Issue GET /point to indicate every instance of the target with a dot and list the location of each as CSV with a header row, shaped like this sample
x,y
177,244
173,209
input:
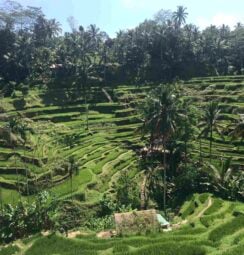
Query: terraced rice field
x,y
110,143
102,150
205,225
229,92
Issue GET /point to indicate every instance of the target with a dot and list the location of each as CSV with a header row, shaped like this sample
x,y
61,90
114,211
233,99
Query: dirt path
x,y
73,234
23,247
107,95
200,214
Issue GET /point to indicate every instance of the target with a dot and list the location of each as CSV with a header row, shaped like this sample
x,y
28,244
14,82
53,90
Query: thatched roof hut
x,y
136,221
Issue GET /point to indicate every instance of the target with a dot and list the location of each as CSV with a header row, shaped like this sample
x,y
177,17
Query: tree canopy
x,y
163,48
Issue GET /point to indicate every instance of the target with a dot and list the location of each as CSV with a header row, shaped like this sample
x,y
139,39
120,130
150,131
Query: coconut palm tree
x,y
151,183
12,127
73,168
180,15
159,117
210,124
221,174
20,129
53,28
238,131
223,179
238,25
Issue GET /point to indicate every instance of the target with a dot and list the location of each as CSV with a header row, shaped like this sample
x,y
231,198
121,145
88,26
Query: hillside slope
x,y
215,228
101,150
107,147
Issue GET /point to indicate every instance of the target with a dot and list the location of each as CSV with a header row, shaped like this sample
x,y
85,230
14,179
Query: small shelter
x,y
139,221
161,220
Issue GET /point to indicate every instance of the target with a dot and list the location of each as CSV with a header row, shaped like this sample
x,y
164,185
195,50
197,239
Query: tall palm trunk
x,y
87,113
87,117
200,149
26,177
185,154
1,198
27,185
211,143
143,193
185,145
71,182
71,186
17,173
165,176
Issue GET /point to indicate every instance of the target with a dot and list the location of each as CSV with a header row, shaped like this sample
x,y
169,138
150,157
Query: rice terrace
x,y
126,142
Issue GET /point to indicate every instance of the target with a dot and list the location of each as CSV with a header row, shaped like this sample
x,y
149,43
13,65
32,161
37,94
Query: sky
x,y
114,15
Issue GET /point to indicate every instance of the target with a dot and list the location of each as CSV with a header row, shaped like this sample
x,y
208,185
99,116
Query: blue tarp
x,y
162,220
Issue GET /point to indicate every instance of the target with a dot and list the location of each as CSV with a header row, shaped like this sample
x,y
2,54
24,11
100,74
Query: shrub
x,y
189,209
72,214
203,197
26,218
127,192
99,224
19,104
81,196
10,250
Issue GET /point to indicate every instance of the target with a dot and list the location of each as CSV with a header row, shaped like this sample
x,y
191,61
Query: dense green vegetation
x,y
90,126
163,48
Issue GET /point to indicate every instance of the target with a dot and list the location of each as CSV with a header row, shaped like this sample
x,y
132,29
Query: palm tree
x,y
222,174
223,180
13,126
210,124
94,33
150,183
238,25
159,116
180,15
53,28
19,129
238,131
73,168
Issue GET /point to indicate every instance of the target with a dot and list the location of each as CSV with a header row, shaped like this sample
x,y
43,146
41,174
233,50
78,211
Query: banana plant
x,y
224,180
